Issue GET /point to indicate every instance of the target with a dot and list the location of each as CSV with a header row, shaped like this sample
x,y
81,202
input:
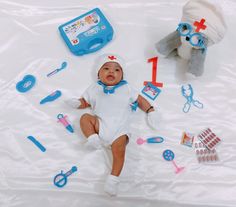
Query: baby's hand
x,y
73,102
154,119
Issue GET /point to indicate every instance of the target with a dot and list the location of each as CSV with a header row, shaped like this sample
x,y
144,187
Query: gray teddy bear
x,y
202,25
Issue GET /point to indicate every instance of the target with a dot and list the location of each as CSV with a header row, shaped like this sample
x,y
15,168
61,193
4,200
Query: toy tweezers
x,y
187,92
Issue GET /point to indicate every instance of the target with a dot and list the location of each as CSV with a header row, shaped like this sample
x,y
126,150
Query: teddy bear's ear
x,y
169,43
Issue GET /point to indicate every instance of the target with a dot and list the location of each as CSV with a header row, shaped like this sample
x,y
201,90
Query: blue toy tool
x,y
62,119
187,92
111,89
63,66
53,96
87,33
61,179
37,143
150,140
169,155
26,83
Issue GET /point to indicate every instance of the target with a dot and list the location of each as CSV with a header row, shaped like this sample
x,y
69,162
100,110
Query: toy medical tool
x,y
63,66
209,139
37,143
87,33
111,89
169,155
61,179
187,92
52,97
150,140
62,119
26,83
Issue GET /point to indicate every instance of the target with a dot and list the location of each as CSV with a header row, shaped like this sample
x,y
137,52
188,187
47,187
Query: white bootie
x,y
93,142
111,185
73,102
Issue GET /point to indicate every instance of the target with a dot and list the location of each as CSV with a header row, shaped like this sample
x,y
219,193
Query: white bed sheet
x,y
30,44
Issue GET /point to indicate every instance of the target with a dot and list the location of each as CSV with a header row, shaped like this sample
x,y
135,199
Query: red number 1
x,y
154,72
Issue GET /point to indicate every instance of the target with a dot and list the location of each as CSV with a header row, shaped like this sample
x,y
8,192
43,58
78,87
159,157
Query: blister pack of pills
x,y
205,155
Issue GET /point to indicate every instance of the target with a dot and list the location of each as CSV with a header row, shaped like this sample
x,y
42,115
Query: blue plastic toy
x,y
37,143
187,92
61,179
63,66
53,96
87,33
62,119
111,89
195,39
26,83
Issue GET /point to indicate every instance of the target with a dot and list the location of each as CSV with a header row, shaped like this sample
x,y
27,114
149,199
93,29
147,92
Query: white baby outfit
x,y
113,110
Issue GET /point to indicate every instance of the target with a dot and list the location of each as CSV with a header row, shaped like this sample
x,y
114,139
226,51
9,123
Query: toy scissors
x,y
61,179
187,92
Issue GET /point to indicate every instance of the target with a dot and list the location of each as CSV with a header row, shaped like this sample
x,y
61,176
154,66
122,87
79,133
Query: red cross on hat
x,y
112,57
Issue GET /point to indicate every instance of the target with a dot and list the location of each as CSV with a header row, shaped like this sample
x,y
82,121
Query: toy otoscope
x,y
150,140
62,119
61,179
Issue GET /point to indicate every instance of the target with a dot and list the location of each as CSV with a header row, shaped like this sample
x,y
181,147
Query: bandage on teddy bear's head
x,y
205,16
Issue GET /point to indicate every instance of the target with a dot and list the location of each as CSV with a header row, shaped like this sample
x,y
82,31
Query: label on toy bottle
x,y
82,25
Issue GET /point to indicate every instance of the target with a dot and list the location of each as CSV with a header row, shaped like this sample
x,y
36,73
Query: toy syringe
x,y
62,119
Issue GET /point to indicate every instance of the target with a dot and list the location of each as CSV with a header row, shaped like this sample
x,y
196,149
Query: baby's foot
x,y
93,142
111,185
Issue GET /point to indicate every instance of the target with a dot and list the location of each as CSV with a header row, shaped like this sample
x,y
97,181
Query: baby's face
x,y
110,73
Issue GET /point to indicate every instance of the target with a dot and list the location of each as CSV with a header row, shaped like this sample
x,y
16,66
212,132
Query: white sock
x,y
93,142
111,185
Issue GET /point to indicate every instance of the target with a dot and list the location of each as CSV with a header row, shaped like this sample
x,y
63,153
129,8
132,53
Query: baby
x,y
110,99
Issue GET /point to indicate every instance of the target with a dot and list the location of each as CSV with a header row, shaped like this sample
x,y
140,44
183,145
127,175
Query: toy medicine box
x,y
87,33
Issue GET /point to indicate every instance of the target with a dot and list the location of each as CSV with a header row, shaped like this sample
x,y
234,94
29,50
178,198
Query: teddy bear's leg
x,y
165,46
196,62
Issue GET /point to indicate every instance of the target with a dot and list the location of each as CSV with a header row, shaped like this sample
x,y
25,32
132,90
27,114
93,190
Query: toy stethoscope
x,y
187,92
169,155
195,39
110,90
61,179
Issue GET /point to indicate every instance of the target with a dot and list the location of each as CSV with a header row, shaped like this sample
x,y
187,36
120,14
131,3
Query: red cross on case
x,y
199,25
